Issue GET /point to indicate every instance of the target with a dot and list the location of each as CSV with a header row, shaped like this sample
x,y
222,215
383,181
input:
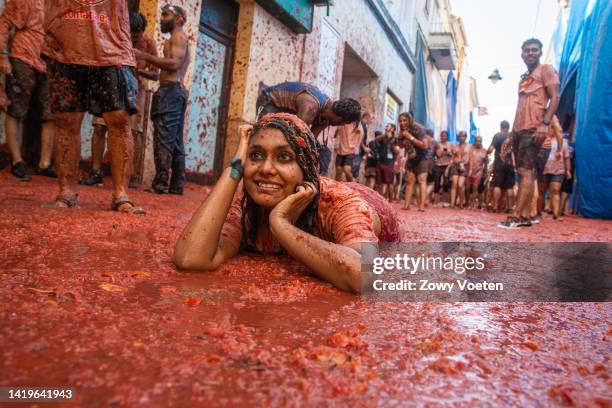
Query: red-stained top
x,y
27,17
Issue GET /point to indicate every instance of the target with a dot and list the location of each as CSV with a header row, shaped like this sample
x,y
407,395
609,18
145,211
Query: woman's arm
x,y
338,264
200,245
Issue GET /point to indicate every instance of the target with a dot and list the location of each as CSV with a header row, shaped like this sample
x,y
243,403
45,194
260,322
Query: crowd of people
x,y
274,196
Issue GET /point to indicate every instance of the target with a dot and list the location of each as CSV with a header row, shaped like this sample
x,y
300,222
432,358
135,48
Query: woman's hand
x,y
243,144
292,206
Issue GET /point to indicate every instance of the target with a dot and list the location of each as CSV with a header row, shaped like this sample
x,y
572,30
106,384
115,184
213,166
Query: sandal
x,y
115,206
62,202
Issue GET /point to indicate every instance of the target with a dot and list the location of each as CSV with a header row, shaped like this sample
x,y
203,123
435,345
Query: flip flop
x,y
62,202
132,210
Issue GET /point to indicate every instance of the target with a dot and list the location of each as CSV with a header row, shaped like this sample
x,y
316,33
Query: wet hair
x,y
348,109
532,41
177,11
304,145
138,22
444,132
504,124
392,125
378,133
429,132
462,133
414,127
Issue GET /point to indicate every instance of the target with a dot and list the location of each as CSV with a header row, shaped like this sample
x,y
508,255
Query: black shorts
x,y
541,160
525,149
97,90
456,171
503,177
418,166
27,83
567,186
345,160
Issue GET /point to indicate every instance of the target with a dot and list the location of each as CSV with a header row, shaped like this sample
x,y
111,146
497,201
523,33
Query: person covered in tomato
x,y
286,206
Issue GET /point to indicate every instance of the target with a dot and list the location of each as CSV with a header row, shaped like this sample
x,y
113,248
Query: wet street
x,y
90,299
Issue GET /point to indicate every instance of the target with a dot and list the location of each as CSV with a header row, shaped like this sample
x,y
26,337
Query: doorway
x,y
209,95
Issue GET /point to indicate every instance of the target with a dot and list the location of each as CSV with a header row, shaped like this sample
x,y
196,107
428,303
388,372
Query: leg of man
x,y
162,151
525,192
67,153
13,128
98,145
454,182
356,166
348,172
121,147
177,181
555,198
461,190
46,144
138,154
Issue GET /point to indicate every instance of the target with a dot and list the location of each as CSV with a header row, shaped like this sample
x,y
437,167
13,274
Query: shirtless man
x,y
169,102
476,170
92,69
308,103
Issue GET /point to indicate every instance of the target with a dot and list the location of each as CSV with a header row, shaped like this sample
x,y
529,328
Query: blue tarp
x,y
451,106
420,96
593,104
473,129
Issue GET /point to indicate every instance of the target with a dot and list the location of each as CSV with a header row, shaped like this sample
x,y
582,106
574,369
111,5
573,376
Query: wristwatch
x,y
546,121
237,169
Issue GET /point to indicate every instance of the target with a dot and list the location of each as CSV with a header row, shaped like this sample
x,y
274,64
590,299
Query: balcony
x,y
442,46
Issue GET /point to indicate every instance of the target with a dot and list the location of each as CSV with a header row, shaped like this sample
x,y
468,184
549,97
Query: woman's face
x,y
462,138
404,122
443,137
271,171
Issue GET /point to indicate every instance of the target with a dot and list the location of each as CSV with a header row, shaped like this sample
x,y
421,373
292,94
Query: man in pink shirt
x,y
92,69
349,138
25,79
538,102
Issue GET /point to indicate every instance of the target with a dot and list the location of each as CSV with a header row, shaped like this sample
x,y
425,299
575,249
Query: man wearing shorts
x,y
349,138
444,156
503,172
477,163
25,80
92,69
538,101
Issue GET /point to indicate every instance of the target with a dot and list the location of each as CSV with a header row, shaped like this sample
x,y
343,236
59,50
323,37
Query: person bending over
x,y
285,206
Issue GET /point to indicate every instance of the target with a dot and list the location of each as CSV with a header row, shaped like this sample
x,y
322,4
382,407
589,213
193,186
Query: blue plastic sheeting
x,y
451,106
473,129
420,96
593,135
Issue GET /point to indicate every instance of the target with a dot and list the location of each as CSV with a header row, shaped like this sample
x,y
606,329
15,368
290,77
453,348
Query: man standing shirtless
x,y
169,102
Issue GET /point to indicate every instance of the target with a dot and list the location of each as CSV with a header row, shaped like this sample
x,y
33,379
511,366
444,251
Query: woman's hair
x,y
414,127
304,145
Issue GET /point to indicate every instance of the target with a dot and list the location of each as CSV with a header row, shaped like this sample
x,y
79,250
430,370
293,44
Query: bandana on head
x,y
303,143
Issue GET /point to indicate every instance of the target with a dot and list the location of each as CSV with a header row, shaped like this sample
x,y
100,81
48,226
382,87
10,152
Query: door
x,y
209,94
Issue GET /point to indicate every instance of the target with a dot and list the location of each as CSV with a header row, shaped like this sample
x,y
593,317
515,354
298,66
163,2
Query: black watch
x,y
546,121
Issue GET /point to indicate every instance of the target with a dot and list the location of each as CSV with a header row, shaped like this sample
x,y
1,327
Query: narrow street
x,y
91,298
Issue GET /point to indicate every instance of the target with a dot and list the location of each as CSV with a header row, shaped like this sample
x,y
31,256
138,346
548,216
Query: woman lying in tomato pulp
x,y
285,206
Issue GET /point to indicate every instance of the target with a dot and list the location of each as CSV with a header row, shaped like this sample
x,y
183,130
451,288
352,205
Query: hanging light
x,y
494,77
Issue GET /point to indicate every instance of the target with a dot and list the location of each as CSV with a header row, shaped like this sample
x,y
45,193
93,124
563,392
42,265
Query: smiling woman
x,y
285,206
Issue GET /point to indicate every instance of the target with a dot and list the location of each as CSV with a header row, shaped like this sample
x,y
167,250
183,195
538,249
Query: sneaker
x,y
535,219
526,222
510,223
93,178
20,170
47,172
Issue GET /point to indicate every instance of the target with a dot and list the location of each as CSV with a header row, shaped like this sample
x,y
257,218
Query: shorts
x,y
384,173
397,180
97,90
345,160
541,160
525,149
430,175
356,167
370,172
567,186
553,178
438,174
418,166
472,181
503,177
27,83
455,171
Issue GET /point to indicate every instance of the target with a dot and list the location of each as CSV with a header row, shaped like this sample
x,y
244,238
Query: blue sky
x,y
495,30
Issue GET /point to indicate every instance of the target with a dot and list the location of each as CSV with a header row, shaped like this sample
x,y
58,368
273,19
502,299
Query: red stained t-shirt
x,y
533,97
89,32
344,216
27,16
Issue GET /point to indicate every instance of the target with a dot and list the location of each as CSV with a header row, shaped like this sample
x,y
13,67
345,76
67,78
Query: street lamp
x,y
494,77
